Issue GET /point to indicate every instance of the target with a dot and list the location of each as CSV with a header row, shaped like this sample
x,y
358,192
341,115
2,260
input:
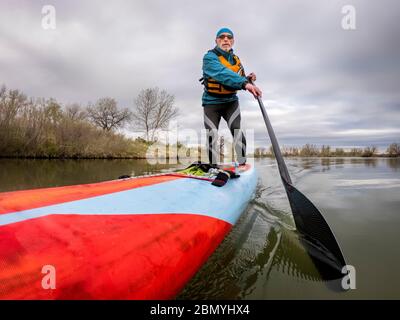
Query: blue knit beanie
x,y
224,30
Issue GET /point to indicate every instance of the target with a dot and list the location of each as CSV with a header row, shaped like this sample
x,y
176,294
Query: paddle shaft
x,y
275,145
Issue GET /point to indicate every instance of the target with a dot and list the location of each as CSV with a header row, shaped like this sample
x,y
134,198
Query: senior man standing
x,y
223,76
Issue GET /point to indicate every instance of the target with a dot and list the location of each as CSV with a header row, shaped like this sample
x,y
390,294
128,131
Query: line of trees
x,y
311,150
42,127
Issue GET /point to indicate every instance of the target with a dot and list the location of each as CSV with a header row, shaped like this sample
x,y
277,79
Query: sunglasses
x,y
222,36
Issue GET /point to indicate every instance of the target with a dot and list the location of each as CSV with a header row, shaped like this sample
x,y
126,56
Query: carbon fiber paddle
x,y
315,233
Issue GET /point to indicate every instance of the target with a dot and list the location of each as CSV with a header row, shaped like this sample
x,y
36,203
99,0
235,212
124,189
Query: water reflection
x,y
394,163
292,258
308,163
368,162
326,163
339,161
371,162
19,174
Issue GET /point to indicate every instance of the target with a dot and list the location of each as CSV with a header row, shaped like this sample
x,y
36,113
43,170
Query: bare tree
x,y
154,109
106,115
75,112
393,150
11,103
369,151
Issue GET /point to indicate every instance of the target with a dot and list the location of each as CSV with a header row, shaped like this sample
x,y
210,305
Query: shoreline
x,y
383,156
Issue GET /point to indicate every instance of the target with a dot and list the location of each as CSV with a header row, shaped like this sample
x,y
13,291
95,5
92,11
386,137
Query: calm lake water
x,y
262,258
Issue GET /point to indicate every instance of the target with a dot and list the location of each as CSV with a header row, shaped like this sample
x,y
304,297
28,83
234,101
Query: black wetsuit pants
x,y
231,113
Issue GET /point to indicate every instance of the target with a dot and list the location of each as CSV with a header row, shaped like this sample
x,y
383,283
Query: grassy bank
x,y
43,128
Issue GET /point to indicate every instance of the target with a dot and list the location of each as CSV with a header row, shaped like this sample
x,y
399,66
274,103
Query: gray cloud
x,y
321,84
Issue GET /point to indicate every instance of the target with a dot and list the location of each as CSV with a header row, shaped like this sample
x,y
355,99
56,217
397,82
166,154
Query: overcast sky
x,y
321,83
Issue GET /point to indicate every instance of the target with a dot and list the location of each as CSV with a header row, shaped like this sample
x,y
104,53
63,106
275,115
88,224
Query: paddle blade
x,y
316,235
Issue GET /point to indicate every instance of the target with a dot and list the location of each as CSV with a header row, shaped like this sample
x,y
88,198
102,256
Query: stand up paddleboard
x,y
134,238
